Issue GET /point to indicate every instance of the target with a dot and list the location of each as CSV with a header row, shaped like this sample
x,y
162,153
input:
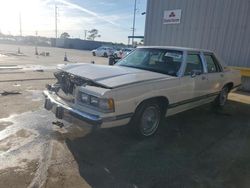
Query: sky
x,y
113,18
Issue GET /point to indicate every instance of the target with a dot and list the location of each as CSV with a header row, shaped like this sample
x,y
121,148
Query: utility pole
x,y
133,28
20,23
85,34
36,51
56,21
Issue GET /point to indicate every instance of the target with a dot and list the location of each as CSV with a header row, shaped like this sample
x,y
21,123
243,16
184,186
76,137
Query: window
x,y
157,60
212,65
193,64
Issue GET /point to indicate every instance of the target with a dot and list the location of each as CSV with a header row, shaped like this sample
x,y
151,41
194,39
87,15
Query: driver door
x,y
193,84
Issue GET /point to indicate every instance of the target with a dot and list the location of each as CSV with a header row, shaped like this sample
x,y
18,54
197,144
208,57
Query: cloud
x,y
75,6
106,3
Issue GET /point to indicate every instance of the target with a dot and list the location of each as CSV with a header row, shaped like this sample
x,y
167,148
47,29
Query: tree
x,y
64,35
93,33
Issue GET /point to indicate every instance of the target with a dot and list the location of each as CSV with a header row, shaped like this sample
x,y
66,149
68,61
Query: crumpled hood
x,y
112,76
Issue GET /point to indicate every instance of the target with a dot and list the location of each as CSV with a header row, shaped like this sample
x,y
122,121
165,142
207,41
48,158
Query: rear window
x,y
193,64
212,64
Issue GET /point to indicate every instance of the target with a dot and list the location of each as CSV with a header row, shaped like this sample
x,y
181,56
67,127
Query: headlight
x,y
84,98
94,101
107,105
101,104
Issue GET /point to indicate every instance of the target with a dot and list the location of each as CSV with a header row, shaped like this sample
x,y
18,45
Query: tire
x,y
146,119
93,53
105,54
221,99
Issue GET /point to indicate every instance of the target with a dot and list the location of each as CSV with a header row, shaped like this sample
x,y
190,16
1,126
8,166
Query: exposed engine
x,y
67,82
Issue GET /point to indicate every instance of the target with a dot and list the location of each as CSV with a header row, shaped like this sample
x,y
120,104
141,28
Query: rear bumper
x,y
69,114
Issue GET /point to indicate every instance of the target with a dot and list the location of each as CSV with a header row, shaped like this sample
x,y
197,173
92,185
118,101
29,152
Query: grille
x,y
66,97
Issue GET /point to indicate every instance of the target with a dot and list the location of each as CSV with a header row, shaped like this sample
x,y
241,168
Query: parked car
x,y
141,89
103,51
123,52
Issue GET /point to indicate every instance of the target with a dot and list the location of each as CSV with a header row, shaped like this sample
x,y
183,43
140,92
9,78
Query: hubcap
x,y
150,120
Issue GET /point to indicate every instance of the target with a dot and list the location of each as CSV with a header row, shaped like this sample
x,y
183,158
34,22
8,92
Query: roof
x,y
177,48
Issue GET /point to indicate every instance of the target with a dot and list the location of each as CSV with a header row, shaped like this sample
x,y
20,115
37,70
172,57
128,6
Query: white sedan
x,y
123,52
103,51
141,89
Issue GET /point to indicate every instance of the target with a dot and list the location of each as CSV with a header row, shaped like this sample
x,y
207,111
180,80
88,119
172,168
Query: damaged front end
x,y
68,82
73,98
62,96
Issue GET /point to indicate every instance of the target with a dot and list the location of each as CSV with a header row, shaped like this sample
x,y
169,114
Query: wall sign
x,y
172,16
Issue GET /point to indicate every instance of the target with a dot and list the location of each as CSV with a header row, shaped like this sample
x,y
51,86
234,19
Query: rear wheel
x,y
221,100
93,53
105,54
147,118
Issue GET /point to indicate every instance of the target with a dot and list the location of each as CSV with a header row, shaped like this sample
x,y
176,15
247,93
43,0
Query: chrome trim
x,y
78,114
119,117
196,99
84,116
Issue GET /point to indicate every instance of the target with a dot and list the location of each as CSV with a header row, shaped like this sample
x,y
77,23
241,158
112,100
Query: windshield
x,y
157,60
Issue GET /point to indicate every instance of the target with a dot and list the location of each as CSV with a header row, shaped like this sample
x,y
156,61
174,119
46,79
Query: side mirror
x,y
194,73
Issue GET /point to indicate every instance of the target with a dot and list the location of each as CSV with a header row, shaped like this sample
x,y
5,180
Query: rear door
x,y
215,74
194,74
193,84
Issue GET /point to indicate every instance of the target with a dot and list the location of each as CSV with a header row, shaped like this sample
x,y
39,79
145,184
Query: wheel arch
x,y
229,85
161,100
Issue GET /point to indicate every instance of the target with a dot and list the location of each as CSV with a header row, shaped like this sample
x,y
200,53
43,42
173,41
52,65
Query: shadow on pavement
x,y
197,148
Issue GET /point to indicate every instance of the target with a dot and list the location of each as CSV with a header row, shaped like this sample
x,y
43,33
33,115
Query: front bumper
x,y
68,113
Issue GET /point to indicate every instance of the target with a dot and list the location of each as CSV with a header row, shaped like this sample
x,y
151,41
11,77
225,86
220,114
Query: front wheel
x,y
93,53
221,99
146,120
